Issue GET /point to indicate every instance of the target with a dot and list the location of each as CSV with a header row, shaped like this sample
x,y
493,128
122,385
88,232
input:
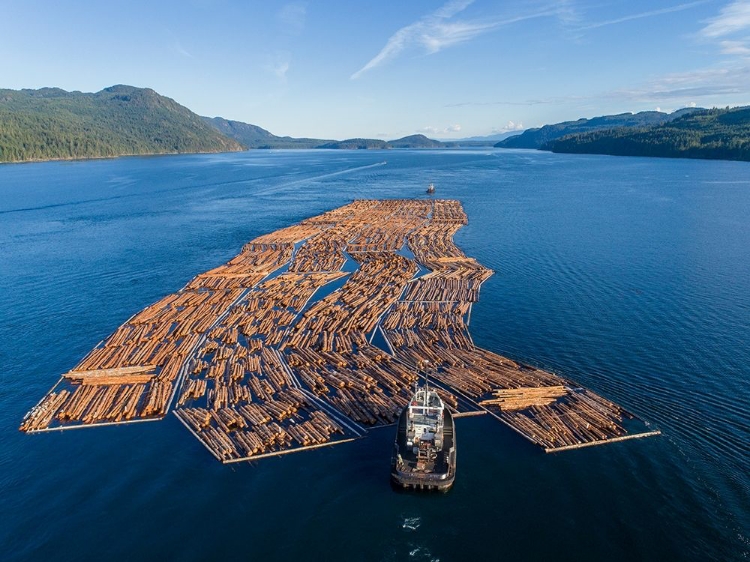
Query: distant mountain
x,y
490,138
351,144
253,136
536,138
709,133
50,123
412,141
415,141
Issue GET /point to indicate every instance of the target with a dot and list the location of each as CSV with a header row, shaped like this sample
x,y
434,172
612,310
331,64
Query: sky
x,y
387,69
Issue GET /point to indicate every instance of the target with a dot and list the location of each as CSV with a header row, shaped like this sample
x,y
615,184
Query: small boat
x,y
424,454
431,189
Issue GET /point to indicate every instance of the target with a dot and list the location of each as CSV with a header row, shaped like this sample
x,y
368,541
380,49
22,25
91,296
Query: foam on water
x,y
411,523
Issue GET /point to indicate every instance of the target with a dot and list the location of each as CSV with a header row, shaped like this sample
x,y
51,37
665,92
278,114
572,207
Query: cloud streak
x,y
641,15
677,88
732,18
528,102
701,83
439,30
414,33
735,48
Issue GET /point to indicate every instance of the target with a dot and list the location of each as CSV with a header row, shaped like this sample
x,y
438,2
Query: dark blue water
x,y
629,275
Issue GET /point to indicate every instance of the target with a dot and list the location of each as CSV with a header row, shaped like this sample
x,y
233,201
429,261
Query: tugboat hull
x,y
408,472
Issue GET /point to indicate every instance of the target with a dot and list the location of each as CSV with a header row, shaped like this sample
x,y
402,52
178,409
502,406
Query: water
x,y
629,275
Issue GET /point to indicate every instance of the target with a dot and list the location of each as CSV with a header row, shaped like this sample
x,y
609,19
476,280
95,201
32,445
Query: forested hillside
x,y
50,124
537,138
711,133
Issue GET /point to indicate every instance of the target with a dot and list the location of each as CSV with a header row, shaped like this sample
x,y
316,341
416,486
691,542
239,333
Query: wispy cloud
x,y
175,45
732,18
440,131
293,16
700,83
528,102
439,30
413,33
641,15
739,48
278,65
280,69
674,89
729,31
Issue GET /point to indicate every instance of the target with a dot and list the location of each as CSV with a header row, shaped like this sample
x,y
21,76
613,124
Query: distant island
x,y
253,136
52,124
356,144
412,141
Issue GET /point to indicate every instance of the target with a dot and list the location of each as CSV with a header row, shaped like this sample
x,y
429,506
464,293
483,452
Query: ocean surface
x,y
628,275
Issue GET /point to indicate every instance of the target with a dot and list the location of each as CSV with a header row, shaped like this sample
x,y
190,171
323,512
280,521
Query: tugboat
x,y
424,454
431,189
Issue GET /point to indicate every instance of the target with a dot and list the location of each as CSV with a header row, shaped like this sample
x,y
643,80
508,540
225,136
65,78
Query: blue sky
x,y
388,69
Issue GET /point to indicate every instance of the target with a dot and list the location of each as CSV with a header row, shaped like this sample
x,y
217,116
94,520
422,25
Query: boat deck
x,y
412,473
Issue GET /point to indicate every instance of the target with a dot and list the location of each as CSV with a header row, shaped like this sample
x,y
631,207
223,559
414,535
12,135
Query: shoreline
x,y
113,157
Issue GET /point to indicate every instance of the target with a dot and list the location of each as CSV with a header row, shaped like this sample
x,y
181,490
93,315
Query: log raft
x,y
259,364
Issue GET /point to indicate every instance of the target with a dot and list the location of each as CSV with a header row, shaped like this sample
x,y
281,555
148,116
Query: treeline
x,y
537,138
710,133
50,124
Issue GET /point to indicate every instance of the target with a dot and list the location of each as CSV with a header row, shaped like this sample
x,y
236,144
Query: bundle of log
x,y
508,399
421,315
232,434
323,252
289,235
249,267
43,413
358,305
121,375
367,385
581,417
90,404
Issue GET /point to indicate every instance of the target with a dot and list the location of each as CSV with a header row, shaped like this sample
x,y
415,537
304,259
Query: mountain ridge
x,y
54,124
253,136
722,134
538,137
